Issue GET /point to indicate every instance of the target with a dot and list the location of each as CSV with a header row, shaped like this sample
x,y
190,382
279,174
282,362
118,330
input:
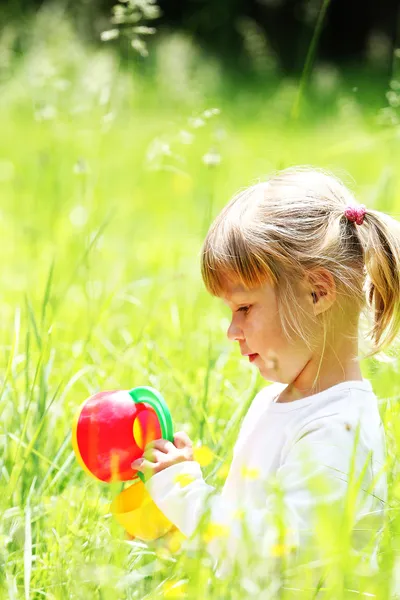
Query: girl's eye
x,y
244,309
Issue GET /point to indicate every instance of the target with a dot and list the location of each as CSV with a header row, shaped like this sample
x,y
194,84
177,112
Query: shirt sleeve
x,y
313,480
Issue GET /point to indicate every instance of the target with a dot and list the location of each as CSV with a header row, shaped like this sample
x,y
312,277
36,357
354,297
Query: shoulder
x,y
348,413
265,397
261,401
268,393
259,405
327,428
336,439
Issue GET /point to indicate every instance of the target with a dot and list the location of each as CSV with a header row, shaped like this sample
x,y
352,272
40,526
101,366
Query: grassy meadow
x,y
109,178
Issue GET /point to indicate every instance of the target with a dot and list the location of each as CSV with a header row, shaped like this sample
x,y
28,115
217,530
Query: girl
x,y
297,261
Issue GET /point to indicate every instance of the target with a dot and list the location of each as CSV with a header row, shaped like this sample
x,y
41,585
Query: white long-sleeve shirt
x,y
304,449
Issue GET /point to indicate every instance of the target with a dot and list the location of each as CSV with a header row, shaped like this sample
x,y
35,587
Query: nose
x,y
234,332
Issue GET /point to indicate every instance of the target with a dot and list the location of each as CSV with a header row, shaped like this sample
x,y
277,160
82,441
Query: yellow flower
x,y
184,479
175,540
250,473
215,530
170,543
203,456
174,589
278,549
282,549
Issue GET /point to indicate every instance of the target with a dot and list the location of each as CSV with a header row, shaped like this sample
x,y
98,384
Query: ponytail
x,y
382,259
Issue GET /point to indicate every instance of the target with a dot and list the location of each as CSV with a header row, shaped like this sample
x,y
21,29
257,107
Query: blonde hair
x,y
282,229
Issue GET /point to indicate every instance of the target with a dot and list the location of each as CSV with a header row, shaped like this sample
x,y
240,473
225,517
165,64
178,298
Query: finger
x,y
188,453
153,455
182,440
144,466
161,445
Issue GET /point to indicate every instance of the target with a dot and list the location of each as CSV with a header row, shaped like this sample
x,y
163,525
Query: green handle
x,y
149,395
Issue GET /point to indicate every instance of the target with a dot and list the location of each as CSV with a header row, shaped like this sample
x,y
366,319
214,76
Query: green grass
x,y
101,227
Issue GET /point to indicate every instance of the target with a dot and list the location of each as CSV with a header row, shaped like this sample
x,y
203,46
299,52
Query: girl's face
x,y
255,325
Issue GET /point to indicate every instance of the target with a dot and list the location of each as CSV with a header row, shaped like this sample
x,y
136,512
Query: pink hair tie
x,y
355,214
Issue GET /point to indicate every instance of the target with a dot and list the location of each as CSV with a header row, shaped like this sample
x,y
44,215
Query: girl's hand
x,y
160,454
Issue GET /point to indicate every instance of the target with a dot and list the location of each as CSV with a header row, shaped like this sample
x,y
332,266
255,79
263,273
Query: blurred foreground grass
x,y
108,183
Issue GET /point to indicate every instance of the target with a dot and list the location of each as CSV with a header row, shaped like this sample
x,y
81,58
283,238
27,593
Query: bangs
x,y
228,257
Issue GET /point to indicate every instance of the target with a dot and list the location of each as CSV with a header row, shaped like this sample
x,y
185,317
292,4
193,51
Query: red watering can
x,y
110,431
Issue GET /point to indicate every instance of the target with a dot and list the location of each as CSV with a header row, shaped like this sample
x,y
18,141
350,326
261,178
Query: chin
x,y
268,376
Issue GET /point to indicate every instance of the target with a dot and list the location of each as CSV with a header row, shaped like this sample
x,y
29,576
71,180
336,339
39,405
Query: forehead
x,y
235,290
236,293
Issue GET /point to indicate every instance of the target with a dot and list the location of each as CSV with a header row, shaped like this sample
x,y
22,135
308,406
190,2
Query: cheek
x,y
266,328
267,337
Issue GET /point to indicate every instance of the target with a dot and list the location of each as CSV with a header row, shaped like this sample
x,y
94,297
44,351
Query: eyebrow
x,y
233,296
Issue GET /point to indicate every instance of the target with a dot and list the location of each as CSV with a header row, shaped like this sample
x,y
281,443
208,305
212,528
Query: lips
x,y
252,356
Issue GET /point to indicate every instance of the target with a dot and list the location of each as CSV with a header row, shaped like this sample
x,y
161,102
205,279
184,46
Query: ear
x,y
321,290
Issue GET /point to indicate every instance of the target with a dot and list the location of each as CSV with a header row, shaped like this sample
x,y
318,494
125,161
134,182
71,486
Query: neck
x,y
317,376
